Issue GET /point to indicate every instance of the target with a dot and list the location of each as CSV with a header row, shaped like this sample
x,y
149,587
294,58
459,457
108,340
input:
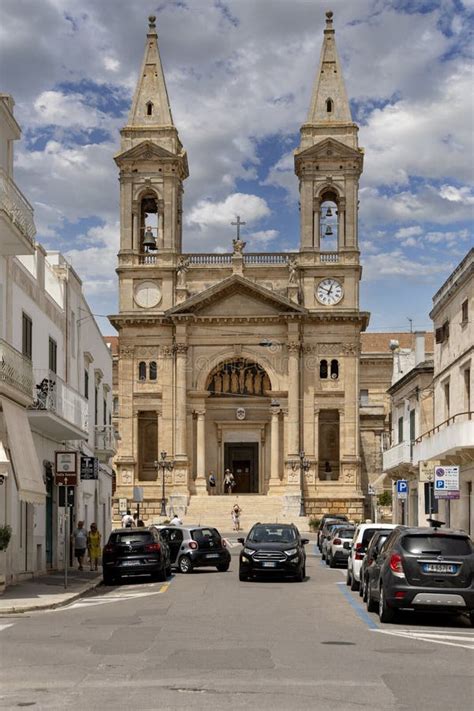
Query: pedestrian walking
x,y
212,483
236,511
176,521
127,520
229,481
79,538
94,547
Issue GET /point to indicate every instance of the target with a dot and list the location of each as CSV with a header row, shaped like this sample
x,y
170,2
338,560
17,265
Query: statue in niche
x,y
249,382
257,383
241,379
217,383
238,245
292,270
234,381
181,269
225,382
266,383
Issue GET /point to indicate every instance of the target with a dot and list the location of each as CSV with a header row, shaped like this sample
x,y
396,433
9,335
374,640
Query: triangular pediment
x,y
236,296
147,150
329,149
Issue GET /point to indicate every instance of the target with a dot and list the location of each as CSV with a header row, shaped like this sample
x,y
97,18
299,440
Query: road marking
x,y
364,616
428,637
124,594
4,627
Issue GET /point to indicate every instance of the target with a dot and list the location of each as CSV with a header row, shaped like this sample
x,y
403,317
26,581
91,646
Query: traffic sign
x,y
446,482
65,462
402,489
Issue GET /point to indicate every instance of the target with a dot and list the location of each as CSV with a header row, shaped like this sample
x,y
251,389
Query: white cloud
x,y
413,231
396,264
453,194
208,214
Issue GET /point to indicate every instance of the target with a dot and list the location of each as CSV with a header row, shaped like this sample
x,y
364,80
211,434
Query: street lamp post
x,y
164,466
304,465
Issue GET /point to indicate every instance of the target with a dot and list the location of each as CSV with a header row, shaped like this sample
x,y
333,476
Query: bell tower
x,y
153,165
329,162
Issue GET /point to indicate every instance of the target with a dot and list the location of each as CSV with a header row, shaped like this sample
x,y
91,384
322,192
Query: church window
x,y
323,369
149,108
334,369
329,106
152,370
142,370
149,223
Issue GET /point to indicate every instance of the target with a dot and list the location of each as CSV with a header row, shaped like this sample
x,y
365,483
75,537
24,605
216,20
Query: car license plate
x,y
131,562
213,555
439,568
269,564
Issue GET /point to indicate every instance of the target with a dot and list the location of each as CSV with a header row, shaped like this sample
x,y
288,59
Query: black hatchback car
x,y
422,569
273,549
195,547
135,551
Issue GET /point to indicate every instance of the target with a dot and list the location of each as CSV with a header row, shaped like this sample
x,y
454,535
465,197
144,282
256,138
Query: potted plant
x,y
5,535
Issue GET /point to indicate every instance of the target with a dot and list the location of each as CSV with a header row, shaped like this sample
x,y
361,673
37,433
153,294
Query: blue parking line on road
x,y
364,616
316,550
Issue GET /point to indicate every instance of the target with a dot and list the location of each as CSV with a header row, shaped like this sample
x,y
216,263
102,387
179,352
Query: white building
x,y
55,384
450,440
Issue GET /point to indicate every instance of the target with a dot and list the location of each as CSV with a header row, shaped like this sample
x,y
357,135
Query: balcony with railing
x,y
58,410
105,442
451,439
16,218
398,459
212,259
16,374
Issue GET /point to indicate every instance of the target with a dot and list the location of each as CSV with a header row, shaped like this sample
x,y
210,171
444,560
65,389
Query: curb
x,y
50,605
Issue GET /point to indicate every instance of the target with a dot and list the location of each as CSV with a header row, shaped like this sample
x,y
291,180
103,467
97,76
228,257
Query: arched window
x,y
328,221
152,370
149,108
329,106
334,369
142,370
148,223
323,369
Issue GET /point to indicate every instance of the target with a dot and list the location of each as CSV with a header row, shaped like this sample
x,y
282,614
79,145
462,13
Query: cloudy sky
x,y
239,76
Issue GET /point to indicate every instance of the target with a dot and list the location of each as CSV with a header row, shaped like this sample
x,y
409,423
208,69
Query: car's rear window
x,y
436,544
203,535
133,537
369,532
345,533
272,534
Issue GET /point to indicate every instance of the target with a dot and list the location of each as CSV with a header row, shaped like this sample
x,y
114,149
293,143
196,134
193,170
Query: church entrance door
x,y
242,459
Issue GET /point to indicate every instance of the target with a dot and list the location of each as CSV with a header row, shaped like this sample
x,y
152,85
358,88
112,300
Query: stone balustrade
x,y
16,370
17,207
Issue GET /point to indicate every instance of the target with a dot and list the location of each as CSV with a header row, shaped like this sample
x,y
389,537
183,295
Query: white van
x,y
358,547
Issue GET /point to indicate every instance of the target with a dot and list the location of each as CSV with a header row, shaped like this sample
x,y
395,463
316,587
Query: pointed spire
x,y
329,102
151,106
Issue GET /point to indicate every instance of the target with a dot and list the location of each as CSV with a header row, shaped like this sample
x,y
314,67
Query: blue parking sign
x,y
402,488
440,484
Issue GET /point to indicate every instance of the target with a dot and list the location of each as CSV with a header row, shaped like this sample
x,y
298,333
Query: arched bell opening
x,y
149,223
239,377
329,222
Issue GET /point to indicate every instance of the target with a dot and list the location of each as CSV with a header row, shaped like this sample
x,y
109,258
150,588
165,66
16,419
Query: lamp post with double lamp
x,y
304,465
165,466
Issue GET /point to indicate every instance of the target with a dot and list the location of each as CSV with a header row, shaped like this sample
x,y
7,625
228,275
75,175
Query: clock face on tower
x,y
147,294
329,292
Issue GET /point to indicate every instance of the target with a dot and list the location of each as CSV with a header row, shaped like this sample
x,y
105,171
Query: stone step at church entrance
x,y
216,511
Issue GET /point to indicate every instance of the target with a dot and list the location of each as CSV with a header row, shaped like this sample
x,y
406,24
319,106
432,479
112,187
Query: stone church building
x,y
246,361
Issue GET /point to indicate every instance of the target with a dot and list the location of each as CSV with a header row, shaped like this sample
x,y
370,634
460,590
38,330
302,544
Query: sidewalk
x,y
47,591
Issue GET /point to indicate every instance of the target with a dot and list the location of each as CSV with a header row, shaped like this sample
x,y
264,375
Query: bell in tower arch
x,y
149,241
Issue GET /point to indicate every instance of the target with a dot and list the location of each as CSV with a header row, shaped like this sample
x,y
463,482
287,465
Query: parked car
x,y
333,517
196,547
273,549
373,550
336,554
358,547
328,531
423,569
135,551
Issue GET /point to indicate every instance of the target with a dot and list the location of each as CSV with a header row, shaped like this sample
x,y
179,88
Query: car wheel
x,y
370,602
386,614
364,590
332,563
354,584
159,575
471,617
168,571
223,567
361,588
300,576
185,565
108,579
242,577
323,557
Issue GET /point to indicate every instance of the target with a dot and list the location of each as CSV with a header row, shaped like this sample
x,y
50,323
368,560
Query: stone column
x,y
275,448
317,224
293,398
181,362
341,224
200,482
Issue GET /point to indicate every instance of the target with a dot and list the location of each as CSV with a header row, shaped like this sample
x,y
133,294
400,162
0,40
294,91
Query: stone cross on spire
x,y
238,223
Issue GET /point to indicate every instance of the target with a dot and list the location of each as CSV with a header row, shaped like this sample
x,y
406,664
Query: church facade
x,y
246,361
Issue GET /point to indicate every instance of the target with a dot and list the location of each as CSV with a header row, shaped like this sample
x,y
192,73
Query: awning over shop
x,y
4,461
26,466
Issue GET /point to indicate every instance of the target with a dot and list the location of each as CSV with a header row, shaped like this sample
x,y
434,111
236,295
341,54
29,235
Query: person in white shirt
x,y
176,521
127,520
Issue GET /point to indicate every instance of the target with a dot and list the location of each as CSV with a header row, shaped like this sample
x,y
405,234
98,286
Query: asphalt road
x,y
207,641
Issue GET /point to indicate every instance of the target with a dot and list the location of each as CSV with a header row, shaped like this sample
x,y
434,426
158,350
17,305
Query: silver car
x,y
336,554
195,547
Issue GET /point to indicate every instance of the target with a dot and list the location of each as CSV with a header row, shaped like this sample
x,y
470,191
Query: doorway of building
x,y
242,459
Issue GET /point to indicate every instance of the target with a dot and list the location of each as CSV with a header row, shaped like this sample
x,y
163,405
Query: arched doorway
x,y
238,386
